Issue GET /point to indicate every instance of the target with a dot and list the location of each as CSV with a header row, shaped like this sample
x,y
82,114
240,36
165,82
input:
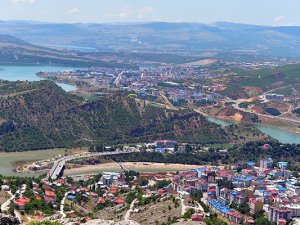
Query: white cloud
x,y
73,11
145,12
282,21
23,1
279,19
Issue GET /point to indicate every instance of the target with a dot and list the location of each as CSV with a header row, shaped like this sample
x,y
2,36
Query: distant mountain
x,y
164,37
14,51
38,115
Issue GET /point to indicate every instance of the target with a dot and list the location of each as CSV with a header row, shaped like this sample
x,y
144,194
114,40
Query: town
x,y
261,192
207,88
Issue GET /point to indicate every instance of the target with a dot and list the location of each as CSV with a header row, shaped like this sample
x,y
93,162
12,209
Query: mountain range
x,y
187,38
15,51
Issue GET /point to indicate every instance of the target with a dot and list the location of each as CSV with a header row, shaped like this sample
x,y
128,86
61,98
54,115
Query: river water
x,y
285,137
22,73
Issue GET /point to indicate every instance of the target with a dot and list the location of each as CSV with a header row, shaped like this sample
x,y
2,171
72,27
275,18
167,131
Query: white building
x,y
295,210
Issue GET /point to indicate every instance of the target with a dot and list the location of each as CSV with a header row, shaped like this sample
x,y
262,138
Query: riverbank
x,y
284,134
276,125
17,163
137,166
29,73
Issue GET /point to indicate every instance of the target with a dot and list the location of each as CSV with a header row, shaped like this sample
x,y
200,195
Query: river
x,y
285,137
22,73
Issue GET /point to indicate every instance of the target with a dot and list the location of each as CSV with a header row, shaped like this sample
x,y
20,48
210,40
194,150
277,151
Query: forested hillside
x,y
41,115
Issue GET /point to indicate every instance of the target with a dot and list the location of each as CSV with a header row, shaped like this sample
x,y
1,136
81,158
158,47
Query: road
x,y
118,79
59,164
185,207
62,206
5,205
236,106
130,210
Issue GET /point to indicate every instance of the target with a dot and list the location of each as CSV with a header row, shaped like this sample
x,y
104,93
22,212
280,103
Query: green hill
x,y
39,115
265,79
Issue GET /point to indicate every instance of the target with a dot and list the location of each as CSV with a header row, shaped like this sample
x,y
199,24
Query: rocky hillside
x,y
39,115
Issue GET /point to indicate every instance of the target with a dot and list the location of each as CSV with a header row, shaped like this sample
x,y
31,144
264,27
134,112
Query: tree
x,y
188,214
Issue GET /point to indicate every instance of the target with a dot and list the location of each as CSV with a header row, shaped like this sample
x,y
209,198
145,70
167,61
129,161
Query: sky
x,y
261,12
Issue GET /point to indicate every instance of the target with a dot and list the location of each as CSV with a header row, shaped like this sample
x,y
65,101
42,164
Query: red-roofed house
x,y
50,194
49,199
21,202
197,217
38,198
119,201
114,190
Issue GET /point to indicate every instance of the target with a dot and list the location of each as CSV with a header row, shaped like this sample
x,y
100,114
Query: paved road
x,y
59,164
118,79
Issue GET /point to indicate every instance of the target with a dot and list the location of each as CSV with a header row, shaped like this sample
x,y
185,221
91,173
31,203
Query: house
x,y
197,217
119,201
114,190
50,194
5,188
49,199
255,206
21,202
235,217
266,163
102,200
38,198
201,185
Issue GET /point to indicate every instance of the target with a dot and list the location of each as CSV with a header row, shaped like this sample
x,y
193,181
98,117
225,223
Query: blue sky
x,y
264,12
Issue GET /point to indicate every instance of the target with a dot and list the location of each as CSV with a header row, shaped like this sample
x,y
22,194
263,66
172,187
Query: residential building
x,y
277,213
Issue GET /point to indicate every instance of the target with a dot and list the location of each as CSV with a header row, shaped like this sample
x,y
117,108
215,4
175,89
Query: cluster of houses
x,y
262,188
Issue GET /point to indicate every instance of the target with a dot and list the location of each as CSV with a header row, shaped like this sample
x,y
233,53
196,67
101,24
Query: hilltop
x,y
40,115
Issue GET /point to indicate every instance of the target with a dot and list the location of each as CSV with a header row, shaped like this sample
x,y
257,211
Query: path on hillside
x,y
130,210
62,206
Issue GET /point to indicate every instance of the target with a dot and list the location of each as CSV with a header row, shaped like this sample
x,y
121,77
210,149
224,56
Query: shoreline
x,y
270,125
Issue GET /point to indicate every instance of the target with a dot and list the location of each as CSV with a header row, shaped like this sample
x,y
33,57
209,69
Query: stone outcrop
x,y
8,220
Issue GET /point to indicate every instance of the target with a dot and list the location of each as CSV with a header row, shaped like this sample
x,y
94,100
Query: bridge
x,y
118,79
59,165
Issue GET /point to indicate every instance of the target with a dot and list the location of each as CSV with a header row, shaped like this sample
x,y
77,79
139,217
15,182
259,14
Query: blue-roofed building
x,y
71,197
251,164
282,165
225,211
242,181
